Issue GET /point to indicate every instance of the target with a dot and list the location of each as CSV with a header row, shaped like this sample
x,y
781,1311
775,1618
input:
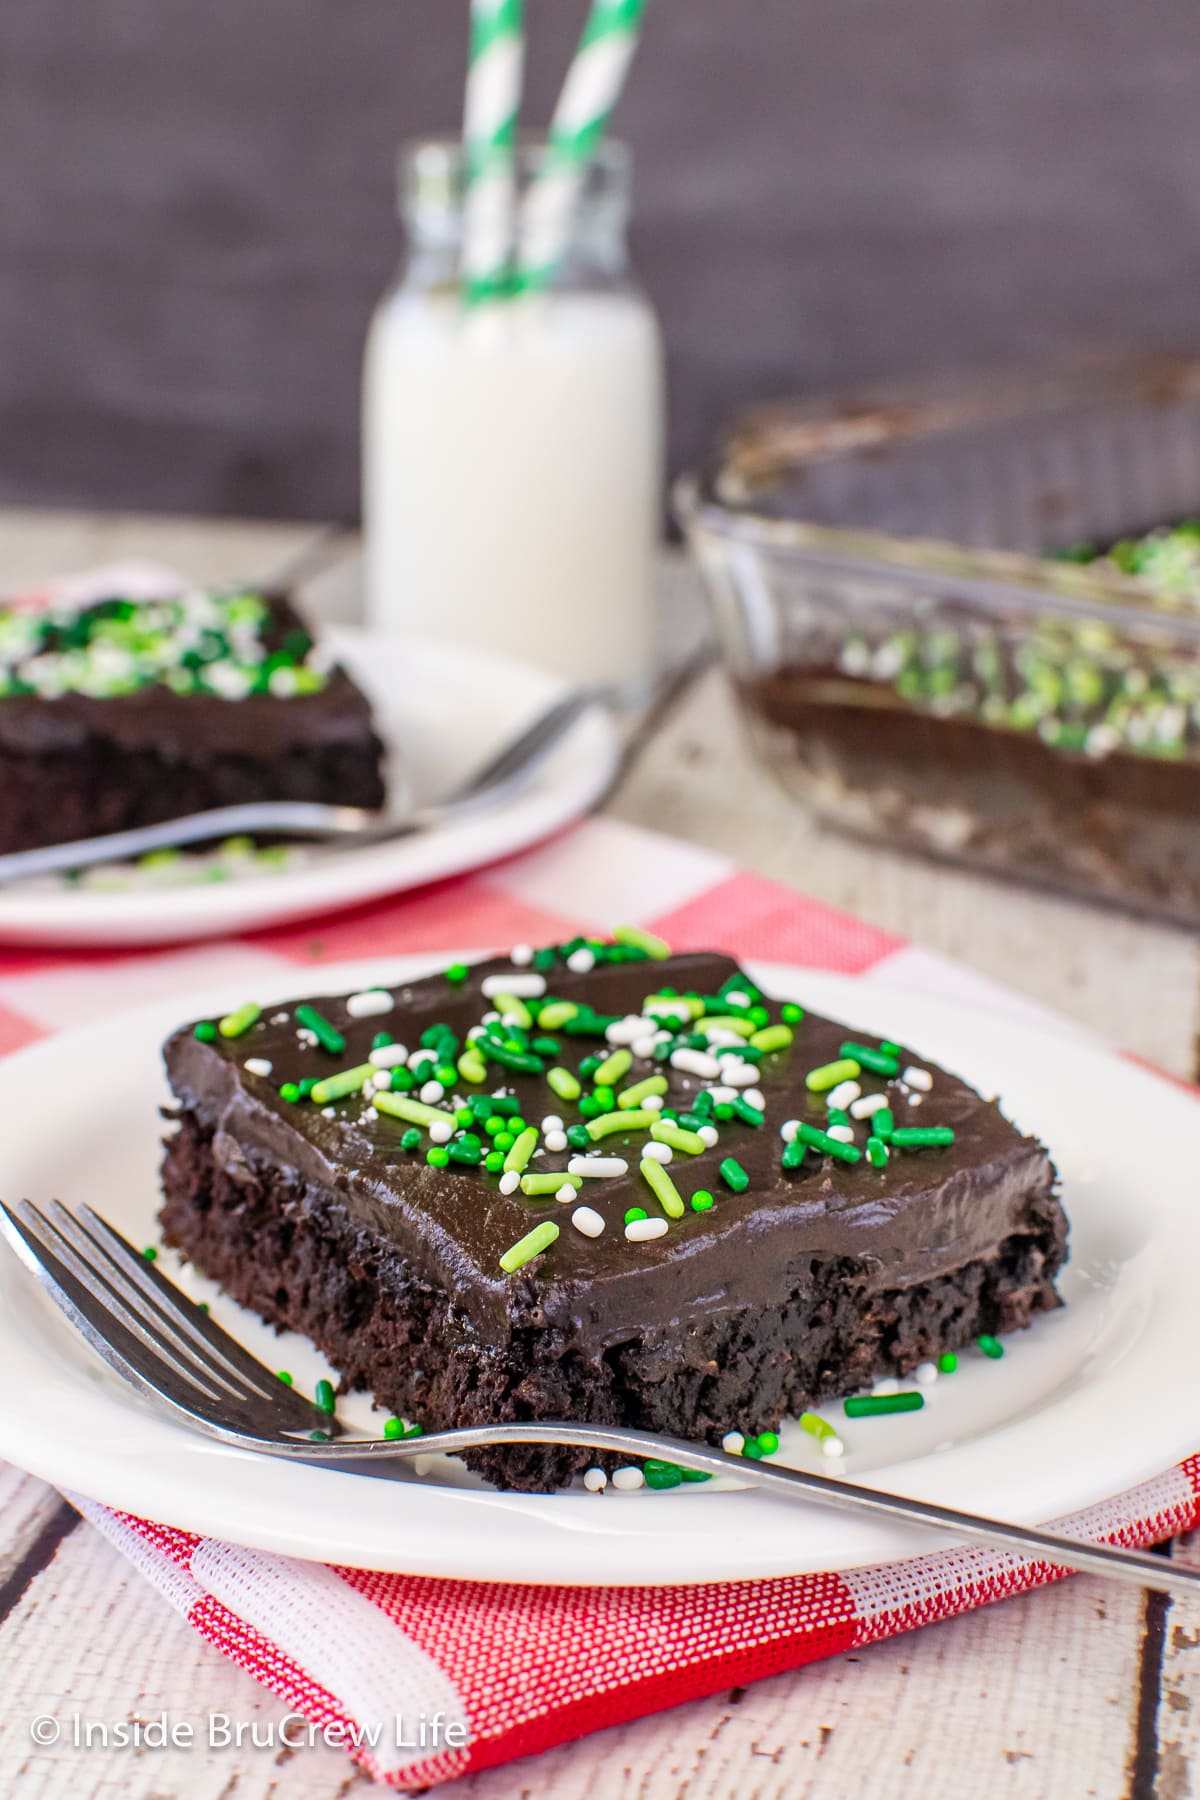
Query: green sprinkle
x,y
877,1153
509,1007
522,1149
613,1068
819,1081
772,1038
632,1097
504,1140
323,1396
991,1346
749,1114
696,1475
412,1431
336,1087
437,1156
289,1091
702,1201
414,1112
546,1046
554,1014
633,1213
663,1188
794,1153
605,1099
632,1120
493,1162
879,1062
634,938
921,1137
383,1040
235,1024
577,1137
284,1376
549,1183
768,1443
460,1151
496,1050
205,1031
790,1013
828,1146
733,1175
322,1030
890,1047
531,1245
883,1124
150,1253
411,1139
662,1474
393,1428
947,1362
870,1406
456,974
689,1142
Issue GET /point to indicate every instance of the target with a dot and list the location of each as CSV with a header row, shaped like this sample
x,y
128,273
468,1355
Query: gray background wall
x,y
196,211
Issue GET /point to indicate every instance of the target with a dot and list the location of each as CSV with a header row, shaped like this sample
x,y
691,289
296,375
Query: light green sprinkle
x,y
555,1014
531,1245
665,1192
336,1087
524,1147
634,938
509,1007
816,1427
237,1023
726,1022
613,1069
472,1067
564,1084
413,1112
549,1184
677,1005
819,1081
632,1097
772,1038
630,1120
689,1142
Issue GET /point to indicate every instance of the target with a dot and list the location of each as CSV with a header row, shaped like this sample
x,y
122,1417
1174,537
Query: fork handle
x,y
1138,1567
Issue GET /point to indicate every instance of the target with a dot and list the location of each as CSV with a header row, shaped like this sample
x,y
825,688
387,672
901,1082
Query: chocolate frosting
x,y
925,1213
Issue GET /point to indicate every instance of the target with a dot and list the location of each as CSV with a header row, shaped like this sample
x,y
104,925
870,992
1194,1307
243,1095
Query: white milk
x,y
513,475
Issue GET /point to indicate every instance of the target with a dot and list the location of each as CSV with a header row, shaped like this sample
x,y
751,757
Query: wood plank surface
x,y
1055,1694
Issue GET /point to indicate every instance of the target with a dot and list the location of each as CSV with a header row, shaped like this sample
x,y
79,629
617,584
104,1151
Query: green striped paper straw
x,y
589,93
494,78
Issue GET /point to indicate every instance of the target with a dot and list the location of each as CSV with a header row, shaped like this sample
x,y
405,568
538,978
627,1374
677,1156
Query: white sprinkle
x,y
627,1030
868,1106
327,1112
733,1442
581,961
431,1093
389,1056
640,1231
566,1193
843,1095
755,1097
657,1009
257,1065
626,1480
508,1020
736,1073
521,955
587,1220
369,1114
915,1099
598,1168
696,1062
737,998
555,1141
370,1002
491,1018
475,1033
717,1034
832,1446
926,1373
280,1018
844,1134
657,1152
888,1385
710,1135
307,1038
422,1465
721,1096
788,1129
643,1048
917,1078
441,1131
510,1181
552,1122
521,987
595,1481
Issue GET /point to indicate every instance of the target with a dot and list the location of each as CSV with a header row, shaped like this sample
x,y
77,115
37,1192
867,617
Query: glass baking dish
x,y
917,654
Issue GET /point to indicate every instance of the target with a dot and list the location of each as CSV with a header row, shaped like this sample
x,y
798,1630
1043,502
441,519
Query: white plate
x,y
1088,1402
442,712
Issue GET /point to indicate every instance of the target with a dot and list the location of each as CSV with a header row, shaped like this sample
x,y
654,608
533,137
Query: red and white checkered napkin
x,y
524,1668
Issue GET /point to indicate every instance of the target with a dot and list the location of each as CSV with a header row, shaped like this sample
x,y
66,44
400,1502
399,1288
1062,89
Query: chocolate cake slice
x,y
127,712
454,1189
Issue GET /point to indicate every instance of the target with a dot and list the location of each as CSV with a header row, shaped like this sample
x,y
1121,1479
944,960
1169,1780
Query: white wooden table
x,y
1083,1689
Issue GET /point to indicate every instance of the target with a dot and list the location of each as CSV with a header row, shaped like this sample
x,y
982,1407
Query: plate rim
x,y
635,1554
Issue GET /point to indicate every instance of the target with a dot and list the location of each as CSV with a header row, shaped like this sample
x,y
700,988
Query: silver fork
x,y
170,1350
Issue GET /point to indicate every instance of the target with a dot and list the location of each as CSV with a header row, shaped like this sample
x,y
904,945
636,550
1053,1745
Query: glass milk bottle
x,y
512,451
